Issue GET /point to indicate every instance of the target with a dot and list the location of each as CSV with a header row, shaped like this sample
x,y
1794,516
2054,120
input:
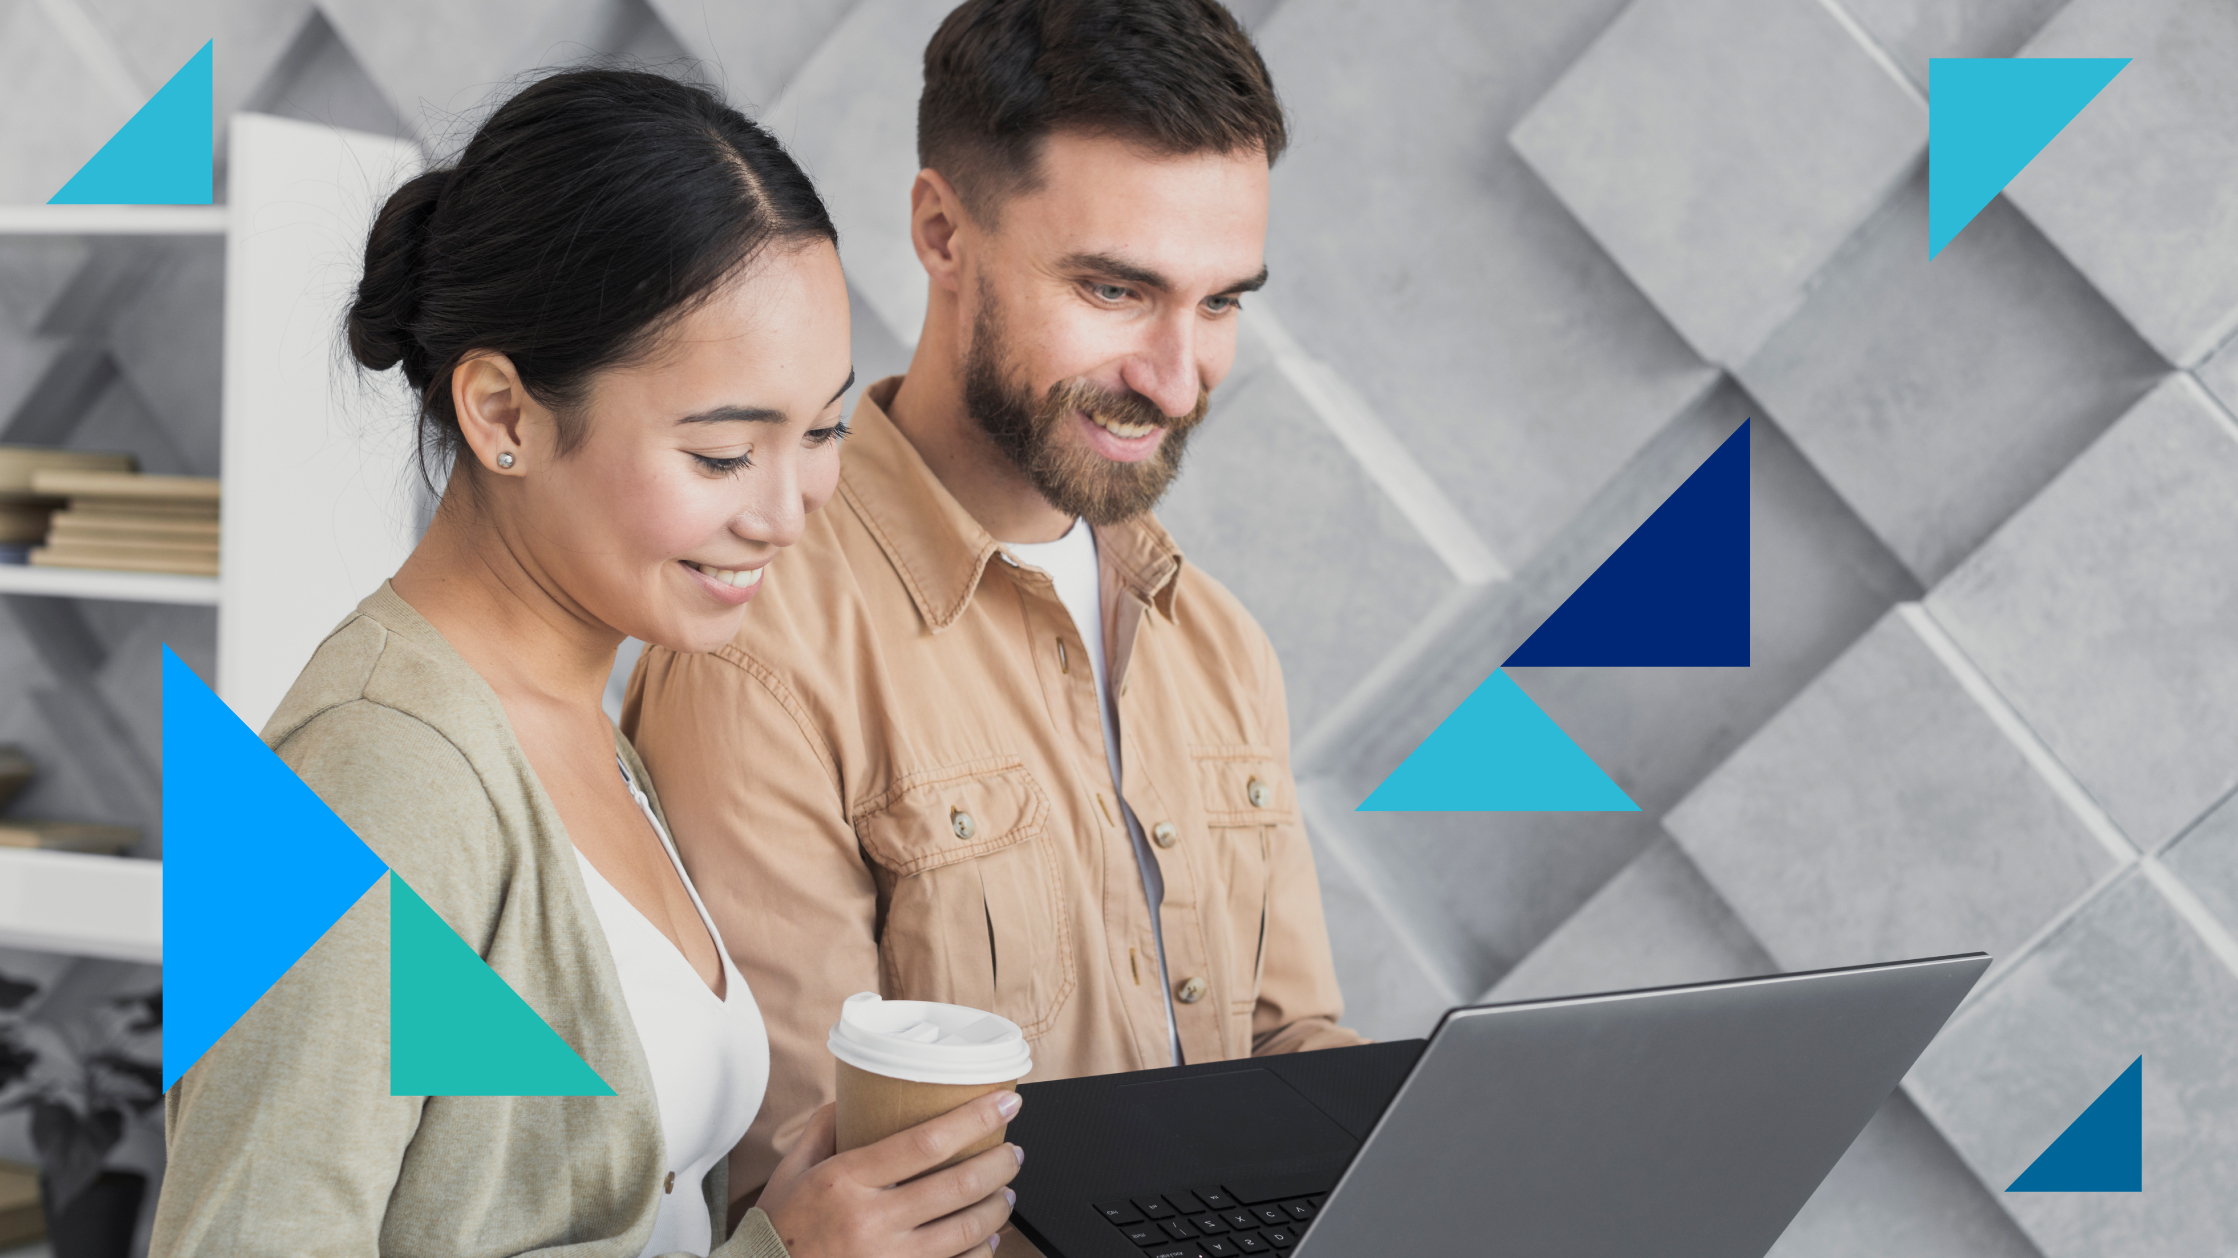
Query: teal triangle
x,y
456,1028
2103,1150
1988,117
1498,752
163,156
255,868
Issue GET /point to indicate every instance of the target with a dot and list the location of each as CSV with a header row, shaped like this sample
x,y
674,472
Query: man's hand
x,y
867,1203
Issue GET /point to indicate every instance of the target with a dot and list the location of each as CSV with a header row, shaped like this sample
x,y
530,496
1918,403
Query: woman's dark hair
x,y
586,215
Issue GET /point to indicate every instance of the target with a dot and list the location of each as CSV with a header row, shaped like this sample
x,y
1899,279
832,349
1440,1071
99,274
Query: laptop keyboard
x,y
1217,1220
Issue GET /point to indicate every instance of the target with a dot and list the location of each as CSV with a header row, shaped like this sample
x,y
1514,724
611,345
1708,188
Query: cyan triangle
x,y
1675,593
457,1028
1988,117
2103,1150
1498,752
162,156
255,868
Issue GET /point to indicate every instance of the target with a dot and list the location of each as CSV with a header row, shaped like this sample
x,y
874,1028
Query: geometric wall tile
x,y
1915,30
154,40
2149,222
2220,374
751,49
1389,992
43,78
318,79
169,341
2126,975
1500,344
1721,150
1901,1190
1939,395
2103,612
1885,815
2206,858
1314,510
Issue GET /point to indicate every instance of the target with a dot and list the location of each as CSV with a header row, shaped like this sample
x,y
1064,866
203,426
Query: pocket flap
x,y
940,816
1243,786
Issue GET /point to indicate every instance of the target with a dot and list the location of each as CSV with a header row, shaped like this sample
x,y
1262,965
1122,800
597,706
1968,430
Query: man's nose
x,y
1165,369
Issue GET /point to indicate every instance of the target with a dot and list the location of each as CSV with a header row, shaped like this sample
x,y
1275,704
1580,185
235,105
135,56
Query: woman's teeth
x,y
1125,432
743,578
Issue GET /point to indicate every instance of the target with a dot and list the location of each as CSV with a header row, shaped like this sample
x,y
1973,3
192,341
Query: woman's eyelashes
x,y
725,466
827,435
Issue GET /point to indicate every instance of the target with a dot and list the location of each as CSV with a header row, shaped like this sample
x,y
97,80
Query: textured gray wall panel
x,y
1913,31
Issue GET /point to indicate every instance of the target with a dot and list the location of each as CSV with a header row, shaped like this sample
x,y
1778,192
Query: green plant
x,y
81,1079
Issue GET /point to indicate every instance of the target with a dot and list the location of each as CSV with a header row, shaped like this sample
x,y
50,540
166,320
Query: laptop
x,y
1673,1121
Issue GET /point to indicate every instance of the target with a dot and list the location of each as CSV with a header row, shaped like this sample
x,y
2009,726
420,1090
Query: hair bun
x,y
380,320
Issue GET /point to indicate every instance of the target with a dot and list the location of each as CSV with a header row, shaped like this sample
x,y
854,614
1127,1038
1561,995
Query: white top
x,y
1070,562
709,1058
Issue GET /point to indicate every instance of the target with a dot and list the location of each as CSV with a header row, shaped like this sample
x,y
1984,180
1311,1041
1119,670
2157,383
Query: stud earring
x,y
505,459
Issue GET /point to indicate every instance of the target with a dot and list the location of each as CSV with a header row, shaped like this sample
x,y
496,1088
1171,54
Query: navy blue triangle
x,y
1675,593
2103,1150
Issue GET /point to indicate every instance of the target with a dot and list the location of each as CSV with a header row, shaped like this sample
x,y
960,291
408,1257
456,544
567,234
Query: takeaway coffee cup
x,y
901,1062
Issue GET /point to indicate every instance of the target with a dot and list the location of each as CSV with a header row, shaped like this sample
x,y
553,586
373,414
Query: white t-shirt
x,y
708,1057
1070,562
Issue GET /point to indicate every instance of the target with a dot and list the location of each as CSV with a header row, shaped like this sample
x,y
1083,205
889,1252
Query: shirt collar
x,y
939,550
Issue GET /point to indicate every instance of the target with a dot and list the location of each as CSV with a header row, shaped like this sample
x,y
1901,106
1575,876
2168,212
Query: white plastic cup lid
x,y
925,1042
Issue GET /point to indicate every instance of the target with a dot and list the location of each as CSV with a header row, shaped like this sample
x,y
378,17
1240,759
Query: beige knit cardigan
x,y
284,1139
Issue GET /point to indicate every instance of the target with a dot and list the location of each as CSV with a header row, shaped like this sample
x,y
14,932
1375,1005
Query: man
x,y
986,738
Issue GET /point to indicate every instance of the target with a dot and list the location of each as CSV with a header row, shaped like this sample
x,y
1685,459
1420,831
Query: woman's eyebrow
x,y
756,414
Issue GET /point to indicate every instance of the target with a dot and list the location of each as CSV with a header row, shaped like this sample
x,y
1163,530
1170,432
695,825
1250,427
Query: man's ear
x,y
936,218
496,414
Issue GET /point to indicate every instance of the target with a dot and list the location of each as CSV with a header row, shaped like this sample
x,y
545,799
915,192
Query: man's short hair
x,y
1174,76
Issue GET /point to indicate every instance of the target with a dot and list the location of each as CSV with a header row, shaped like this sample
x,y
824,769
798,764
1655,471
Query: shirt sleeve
x,y
1299,1005
283,1139
756,806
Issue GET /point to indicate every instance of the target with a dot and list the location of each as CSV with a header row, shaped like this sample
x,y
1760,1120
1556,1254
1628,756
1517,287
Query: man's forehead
x,y
1193,219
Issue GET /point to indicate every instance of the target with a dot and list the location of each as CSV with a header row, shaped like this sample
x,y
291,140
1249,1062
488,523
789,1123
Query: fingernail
x,y
1011,1195
994,1242
1008,1105
1020,1150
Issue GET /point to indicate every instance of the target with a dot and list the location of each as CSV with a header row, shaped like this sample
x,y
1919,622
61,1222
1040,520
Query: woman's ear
x,y
495,413
936,216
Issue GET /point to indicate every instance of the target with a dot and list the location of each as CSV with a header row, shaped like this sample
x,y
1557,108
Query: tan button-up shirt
x,y
894,780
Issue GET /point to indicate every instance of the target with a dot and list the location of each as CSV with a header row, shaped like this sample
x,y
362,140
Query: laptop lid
x,y
1673,1121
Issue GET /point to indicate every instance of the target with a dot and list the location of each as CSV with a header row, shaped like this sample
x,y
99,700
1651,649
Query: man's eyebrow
x,y
1119,268
1252,285
755,414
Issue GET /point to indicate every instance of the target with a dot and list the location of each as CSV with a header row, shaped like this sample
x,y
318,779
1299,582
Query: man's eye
x,y
1109,292
1222,305
722,466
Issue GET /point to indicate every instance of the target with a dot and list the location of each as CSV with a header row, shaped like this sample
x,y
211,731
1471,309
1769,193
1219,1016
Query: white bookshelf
x,y
112,220
93,906
316,492
130,587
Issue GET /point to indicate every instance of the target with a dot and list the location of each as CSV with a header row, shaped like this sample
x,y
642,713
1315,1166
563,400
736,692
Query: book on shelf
x,y
23,521
128,522
67,836
18,464
21,1220
16,772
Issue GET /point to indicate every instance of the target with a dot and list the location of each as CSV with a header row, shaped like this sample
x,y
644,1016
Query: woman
x,y
624,315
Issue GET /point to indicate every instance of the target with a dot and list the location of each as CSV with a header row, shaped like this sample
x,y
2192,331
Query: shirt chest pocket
x,y
1245,796
973,903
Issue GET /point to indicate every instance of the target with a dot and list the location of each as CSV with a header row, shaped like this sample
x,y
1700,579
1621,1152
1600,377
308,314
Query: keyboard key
x,y
1215,1197
1249,1243
1153,1208
1142,1233
1209,1224
1272,1216
1177,1229
1186,1203
1241,1220
1118,1212
1173,1251
1280,1237
1301,1210
1219,1247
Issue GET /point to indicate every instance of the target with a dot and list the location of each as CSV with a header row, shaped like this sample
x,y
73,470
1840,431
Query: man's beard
x,y
1073,478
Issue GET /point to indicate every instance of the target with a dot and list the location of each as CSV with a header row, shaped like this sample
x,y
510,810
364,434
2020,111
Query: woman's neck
x,y
512,622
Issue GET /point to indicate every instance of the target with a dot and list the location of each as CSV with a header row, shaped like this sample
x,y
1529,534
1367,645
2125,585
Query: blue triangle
x,y
1498,752
1675,593
1988,117
457,1028
255,868
162,156
2103,1150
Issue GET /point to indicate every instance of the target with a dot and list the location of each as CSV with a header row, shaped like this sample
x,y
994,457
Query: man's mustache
x,y
1126,408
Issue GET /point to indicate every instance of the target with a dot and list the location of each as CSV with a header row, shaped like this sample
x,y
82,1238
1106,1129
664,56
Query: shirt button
x,y
1192,991
961,822
1164,834
670,1185
1256,791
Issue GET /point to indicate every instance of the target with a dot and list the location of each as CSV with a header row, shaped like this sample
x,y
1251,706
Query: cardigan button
x,y
961,822
1256,791
670,1185
1192,991
1164,834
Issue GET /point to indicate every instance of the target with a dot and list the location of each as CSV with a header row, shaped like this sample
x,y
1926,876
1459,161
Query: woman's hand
x,y
855,1205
